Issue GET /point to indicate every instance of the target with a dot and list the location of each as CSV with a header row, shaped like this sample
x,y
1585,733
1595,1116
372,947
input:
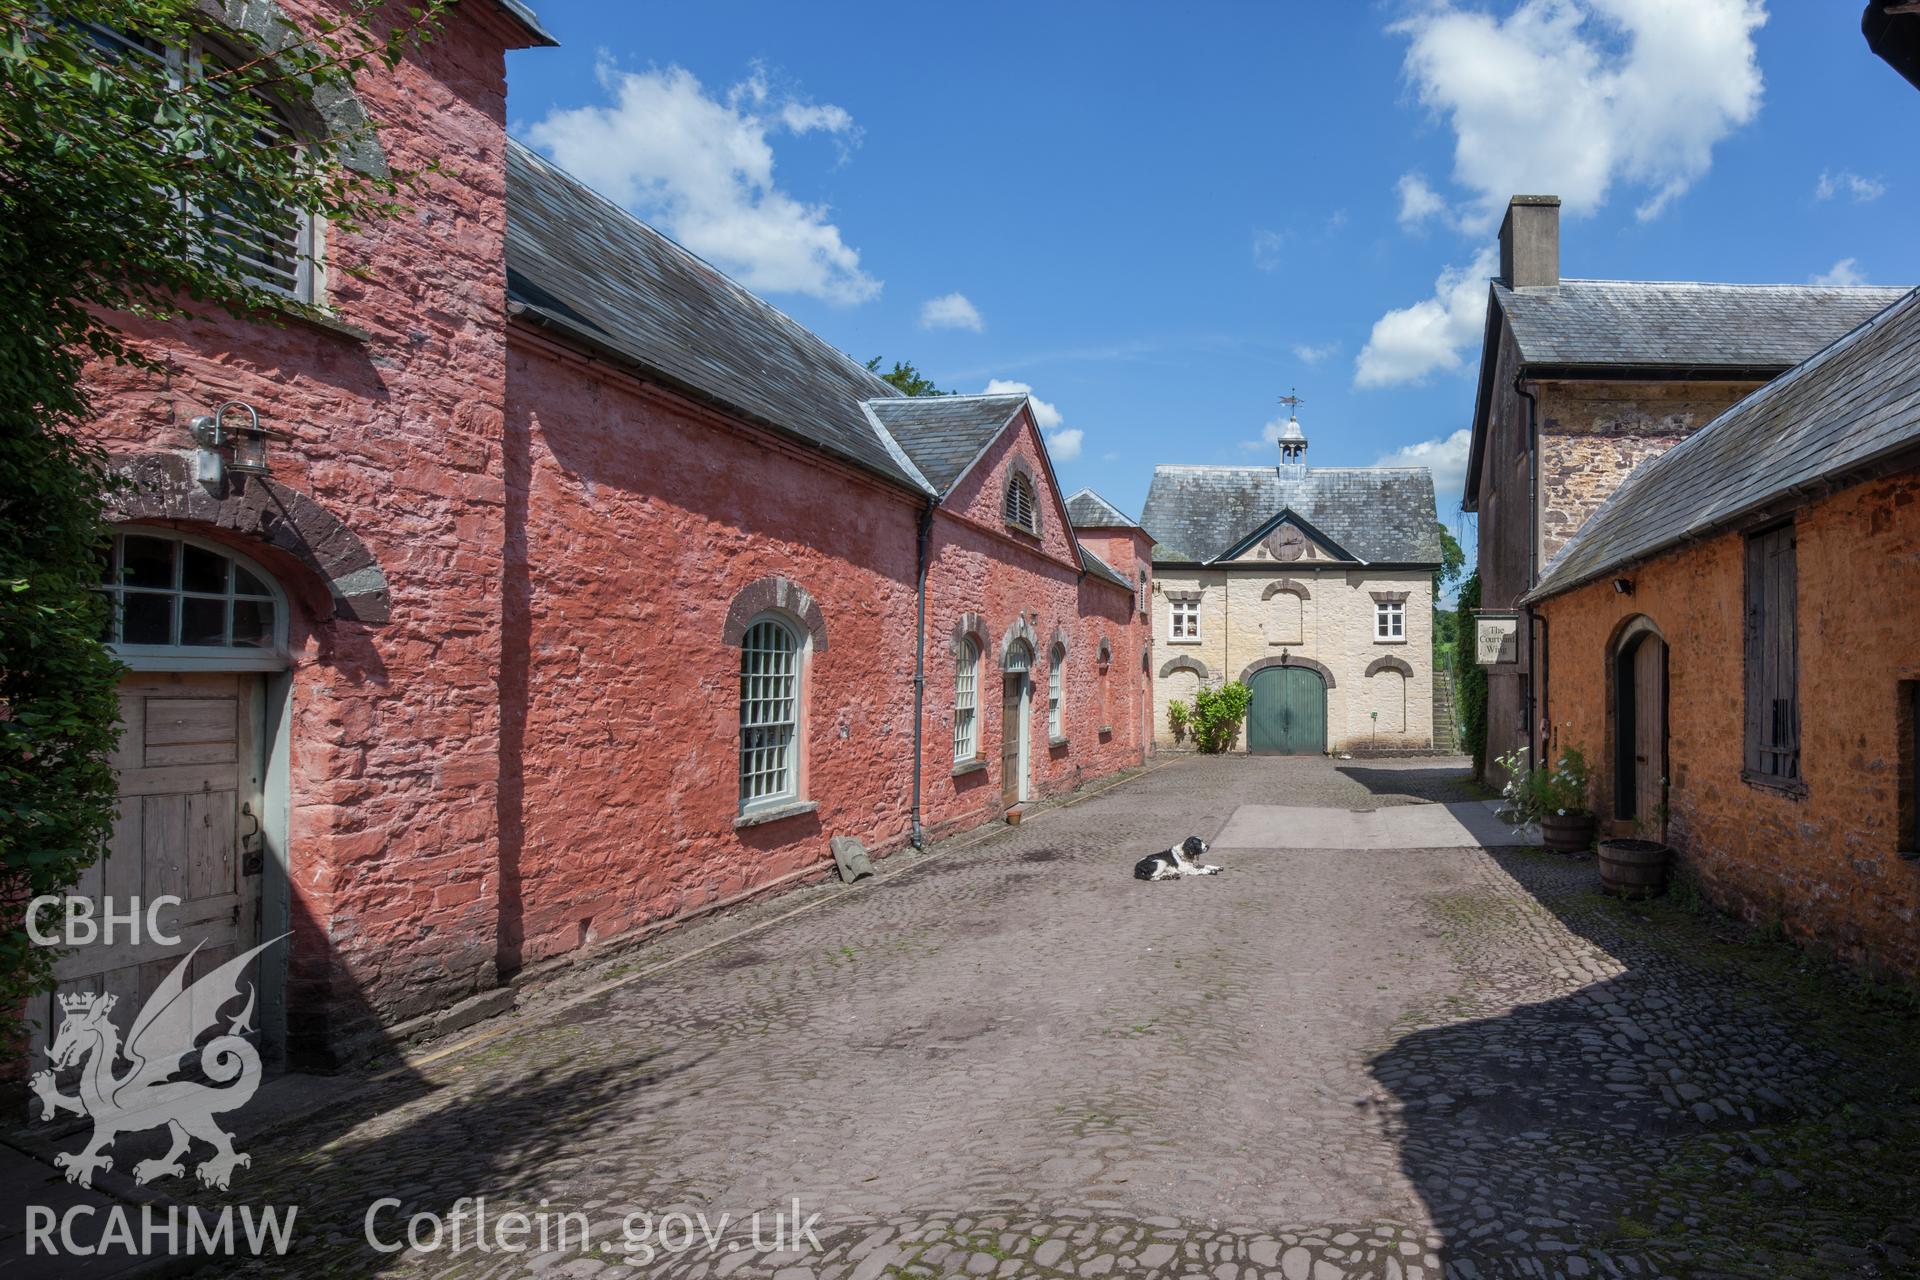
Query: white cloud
x,y
1266,249
1408,344
1845,271
700,167
1418,201
1568,97
1269,437
951,311
1307,353
1063,444
1446,457
1860,189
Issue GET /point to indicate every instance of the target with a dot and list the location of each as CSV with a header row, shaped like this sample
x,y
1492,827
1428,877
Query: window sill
x,y
1022,530
970,766
320,318
1057,743
1106,731
1910,855
774,813
1195,640
1792,788
1389,639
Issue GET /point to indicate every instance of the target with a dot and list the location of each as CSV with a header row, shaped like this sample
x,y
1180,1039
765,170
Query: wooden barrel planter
x,y
1634,868
1570,833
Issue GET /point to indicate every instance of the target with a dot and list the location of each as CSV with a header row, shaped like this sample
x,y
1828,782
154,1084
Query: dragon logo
x,y
147,1095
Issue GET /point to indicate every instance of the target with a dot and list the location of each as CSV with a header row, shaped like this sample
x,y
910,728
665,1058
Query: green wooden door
x,y
1289,712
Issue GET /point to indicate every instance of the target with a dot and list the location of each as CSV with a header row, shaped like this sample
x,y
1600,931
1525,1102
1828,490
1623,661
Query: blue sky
x,y
1161,217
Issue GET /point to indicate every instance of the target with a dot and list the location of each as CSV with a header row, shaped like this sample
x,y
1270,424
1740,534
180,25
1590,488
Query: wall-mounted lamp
x,y
1623,586
248,443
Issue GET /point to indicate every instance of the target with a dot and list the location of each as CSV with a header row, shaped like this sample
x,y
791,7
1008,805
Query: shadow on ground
x,y
1693,1099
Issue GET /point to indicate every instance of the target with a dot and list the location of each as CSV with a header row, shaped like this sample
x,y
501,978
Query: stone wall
x,y
1003,583
1826,864
1325,615
636,523
394,428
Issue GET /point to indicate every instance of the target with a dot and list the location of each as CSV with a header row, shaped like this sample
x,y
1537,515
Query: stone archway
x,y
775,594
286,519
1287,660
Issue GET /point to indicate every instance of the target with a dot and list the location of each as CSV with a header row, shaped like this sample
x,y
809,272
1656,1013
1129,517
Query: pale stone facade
x,y
1326,570
1315,616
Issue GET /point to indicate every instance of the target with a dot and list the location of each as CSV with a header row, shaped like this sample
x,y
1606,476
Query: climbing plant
x,y
1470,679
130,180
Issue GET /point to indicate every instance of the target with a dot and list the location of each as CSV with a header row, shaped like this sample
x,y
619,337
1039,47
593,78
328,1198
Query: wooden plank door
x,y
189,765
1010,730
1649,733
1306,716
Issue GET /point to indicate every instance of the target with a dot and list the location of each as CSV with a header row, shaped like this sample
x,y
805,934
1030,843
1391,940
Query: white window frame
x,y
309,236
1389,621
966,702
770,702
1187,611
1056,702
271,656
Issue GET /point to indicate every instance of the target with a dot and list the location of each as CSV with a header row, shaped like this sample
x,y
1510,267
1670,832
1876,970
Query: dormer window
x,y
1020,510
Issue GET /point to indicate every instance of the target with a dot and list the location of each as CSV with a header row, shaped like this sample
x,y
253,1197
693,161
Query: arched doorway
x,y
1640,727
1288,715
1015,704
201,772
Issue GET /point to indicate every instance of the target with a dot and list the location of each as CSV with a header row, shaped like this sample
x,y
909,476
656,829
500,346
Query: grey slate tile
x,y
1383,515
1850,405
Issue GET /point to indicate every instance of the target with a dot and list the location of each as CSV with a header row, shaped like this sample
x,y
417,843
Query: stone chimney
x,y
1530,242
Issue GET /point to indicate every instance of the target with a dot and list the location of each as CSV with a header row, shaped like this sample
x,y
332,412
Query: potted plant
x,y
1554,795
1636,866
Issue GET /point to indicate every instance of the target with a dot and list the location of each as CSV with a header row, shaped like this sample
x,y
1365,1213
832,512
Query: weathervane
x,y
1292,401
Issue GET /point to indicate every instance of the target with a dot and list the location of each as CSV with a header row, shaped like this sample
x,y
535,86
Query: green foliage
x,y
108,161
907,378
1470,679
1177,719
1562,788
1452,561
1217,714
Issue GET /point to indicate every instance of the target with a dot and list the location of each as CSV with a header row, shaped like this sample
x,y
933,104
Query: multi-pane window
x,y
1055,661
769,714
1185,620
273,247
966,717
173,594
1772,658
1389,620
1019,505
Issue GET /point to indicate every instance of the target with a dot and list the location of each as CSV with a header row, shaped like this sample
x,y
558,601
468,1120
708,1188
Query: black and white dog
x,y
1172,864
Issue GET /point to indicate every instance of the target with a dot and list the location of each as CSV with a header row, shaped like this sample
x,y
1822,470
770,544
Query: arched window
x,y
273,247
181,604
966,716
1056,719
769,714
1020,509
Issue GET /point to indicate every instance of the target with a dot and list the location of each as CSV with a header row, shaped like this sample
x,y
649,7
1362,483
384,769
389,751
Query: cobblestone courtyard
x,y
1006,1057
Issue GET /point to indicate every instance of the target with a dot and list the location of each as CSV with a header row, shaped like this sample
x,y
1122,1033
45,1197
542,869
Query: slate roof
x,y
1850,406
1101,569
1088,510
1677,323
1383,515
581,264
944,434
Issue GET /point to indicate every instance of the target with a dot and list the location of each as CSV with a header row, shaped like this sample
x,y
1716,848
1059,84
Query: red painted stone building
x,y
587,592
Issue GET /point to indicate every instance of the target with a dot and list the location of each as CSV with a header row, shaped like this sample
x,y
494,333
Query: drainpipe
x,y
1533,544
1545,651
923,543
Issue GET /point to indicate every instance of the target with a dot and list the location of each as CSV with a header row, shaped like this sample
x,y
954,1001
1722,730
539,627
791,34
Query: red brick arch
x,y
775,594
258,508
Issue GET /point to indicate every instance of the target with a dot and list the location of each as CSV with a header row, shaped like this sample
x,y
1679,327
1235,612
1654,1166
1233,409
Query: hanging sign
x,y
1496,639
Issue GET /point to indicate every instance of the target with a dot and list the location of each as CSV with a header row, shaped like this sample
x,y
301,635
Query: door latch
x,y
252,845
